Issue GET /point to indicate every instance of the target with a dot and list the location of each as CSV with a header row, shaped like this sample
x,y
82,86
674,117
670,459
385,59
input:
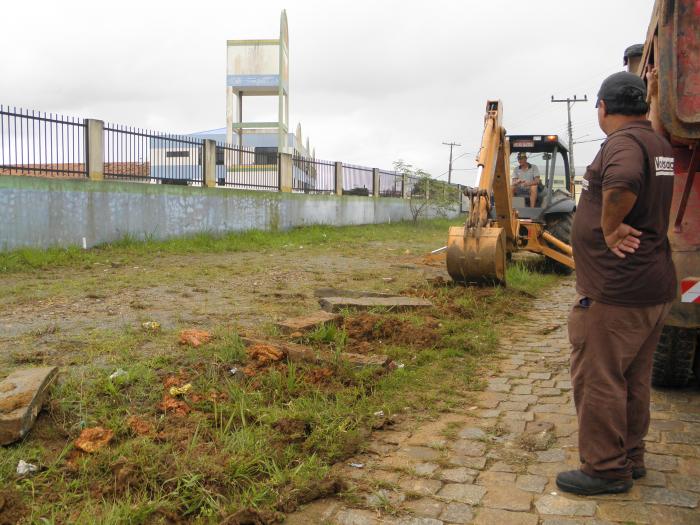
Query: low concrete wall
x,y
40,212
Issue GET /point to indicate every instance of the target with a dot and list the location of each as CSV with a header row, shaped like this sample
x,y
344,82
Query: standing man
x,y
625,281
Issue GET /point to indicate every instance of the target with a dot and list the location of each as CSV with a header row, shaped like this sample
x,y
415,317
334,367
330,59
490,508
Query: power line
x,y
569,103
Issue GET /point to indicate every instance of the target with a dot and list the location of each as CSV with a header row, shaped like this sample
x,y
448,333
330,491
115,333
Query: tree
x,y
425,192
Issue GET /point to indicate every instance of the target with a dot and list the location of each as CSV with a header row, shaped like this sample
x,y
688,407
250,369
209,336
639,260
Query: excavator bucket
x,y
477,255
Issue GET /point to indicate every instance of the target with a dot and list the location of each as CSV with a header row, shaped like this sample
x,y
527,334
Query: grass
x,y
264,442
129,249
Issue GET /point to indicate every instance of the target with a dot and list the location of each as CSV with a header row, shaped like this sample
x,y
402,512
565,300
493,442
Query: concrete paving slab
x,y
22,395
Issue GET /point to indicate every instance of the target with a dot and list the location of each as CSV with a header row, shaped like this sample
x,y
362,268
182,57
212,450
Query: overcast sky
x,y
371,81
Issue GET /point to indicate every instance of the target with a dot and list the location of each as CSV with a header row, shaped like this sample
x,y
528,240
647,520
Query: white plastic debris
x,y
24,468
119,372
400,365
357,465
380,413
234,371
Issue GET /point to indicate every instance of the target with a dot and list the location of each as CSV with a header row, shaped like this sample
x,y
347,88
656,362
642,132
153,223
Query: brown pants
x,y
611,360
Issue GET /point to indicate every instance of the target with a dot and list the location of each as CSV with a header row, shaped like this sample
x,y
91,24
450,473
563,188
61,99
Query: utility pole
x,y
449,172
569,103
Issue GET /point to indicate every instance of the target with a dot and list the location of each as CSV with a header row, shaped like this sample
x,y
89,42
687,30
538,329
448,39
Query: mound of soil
x,y
367,327
12,508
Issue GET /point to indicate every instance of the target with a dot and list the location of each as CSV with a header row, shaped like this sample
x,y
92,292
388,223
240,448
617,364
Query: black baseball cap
x,y
622,84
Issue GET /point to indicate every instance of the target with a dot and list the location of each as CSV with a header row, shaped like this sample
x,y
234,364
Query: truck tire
x,y
673,359
559,225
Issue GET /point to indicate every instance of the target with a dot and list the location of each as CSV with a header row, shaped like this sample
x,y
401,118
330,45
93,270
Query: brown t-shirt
x,y
637,159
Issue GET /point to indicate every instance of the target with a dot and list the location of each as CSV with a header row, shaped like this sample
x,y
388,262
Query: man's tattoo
x,y
614,196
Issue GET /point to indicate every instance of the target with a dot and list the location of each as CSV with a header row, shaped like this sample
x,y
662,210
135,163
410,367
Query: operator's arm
x,y
621,238
623,175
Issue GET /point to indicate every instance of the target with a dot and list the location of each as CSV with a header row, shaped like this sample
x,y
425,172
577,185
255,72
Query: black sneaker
x,y
578,482
638,472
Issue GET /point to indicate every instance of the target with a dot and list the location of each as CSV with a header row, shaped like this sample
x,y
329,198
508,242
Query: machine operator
x,y
526,179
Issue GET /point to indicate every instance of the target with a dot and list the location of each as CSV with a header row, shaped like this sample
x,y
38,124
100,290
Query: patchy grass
x,y
264,442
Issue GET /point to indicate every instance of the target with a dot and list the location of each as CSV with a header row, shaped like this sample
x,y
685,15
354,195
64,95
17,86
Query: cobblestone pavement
x,y
494,462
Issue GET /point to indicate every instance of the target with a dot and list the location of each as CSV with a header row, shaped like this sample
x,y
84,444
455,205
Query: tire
x,y
559,225
673,359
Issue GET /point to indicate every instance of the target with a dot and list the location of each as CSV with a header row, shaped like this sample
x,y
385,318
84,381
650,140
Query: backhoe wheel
x,y
673,359
559,225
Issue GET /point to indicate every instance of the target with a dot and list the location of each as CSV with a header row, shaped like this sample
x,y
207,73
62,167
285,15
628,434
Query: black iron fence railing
x,y
390,184
312,175
49,145
247,168
146,156
357,180
41,144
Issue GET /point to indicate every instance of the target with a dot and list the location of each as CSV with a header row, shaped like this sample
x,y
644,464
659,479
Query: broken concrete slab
x,y
308,322
397,304
22,395
335,292
297,353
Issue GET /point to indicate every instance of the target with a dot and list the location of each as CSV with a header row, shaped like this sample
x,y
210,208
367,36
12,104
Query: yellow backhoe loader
x,y
499,223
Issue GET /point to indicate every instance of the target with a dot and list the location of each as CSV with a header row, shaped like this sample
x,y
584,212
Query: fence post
x,y
286,173
94,148
427,189
375,182
404,193
209,163
338,178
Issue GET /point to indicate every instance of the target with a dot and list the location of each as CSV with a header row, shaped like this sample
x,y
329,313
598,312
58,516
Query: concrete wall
x,y
39,212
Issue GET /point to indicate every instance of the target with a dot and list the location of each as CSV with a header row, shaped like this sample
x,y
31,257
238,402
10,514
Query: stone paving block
x,y
519,416
425,469
425,507
498,387
308,322
659,514
22,394
503,517
319,511
355,517
551,456
472,433
489,413
463,493
653,478
467,461
494,477
422,486
513,426
457,475
546,391
662,463
530,483
540,375
563,385
562,506
675,498
672,449
490,399
457,513
507,497
420,453
687,466
382,496
410,520
523,398
629,512
467,447
522,389
502,466
686,438
396,304
681,482
513,406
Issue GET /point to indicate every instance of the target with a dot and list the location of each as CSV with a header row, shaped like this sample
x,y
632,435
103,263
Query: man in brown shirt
x,y
625,280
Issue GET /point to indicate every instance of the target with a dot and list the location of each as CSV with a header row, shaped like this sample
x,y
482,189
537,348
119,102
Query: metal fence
x,y
146,156
41,144
312,175
415,187
247,168
390,184
357,180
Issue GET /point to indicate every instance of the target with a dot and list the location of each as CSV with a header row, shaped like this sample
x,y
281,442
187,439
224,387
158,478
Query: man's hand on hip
x,y
623,239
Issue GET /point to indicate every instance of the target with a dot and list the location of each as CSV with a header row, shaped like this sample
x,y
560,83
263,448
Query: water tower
x,y
258,68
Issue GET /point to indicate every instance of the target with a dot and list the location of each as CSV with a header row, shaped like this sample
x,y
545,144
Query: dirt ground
x,y
53,316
